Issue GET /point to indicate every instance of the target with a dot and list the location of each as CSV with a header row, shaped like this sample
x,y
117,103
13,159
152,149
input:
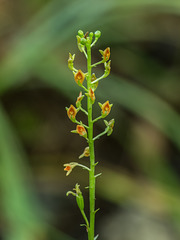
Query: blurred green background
x,y
138,192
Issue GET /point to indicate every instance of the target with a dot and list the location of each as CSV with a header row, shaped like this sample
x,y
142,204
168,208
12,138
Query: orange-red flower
x,y
71,112
106,108
79,77
106,54
91,94
81,130
69,167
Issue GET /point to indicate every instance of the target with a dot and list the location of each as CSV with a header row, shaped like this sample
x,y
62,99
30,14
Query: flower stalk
x,y
85,42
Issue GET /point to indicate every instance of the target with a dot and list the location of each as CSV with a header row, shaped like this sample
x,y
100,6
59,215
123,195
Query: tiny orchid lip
x,y
69,167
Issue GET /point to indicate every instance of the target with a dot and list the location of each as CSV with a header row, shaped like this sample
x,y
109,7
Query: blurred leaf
x,y
47,31
135,98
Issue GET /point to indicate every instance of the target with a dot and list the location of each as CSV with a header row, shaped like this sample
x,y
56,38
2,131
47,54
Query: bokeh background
x,y
139,190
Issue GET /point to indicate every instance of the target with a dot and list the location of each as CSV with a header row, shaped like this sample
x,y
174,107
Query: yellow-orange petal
x,y
106,54
81,130
106,108
79,77
91,94
71,112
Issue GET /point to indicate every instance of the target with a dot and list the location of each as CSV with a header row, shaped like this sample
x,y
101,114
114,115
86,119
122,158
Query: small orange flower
x,y
79,77
106,54
81,130
71,112
106,108
69,167
91,94
79,99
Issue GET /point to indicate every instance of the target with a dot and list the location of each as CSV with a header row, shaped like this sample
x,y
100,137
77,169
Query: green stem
x,y
85,218
101,134
84,88
96,119
83,110
98,79
85,53
84,167
80,123
95,64
91,150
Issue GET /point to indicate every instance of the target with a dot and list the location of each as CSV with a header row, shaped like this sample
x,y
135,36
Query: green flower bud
x,y
80,46
83,41
97,34
70,61
91,34
79,197
80,201
80,33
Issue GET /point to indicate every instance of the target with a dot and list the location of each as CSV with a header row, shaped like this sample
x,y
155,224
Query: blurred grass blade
x,y
22,213
21,210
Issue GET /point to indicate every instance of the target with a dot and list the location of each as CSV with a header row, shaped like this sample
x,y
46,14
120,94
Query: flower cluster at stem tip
x,y
79,76
85,42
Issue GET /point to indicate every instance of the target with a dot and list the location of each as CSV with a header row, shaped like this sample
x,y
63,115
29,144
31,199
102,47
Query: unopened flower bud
x,y
79,197
91,35
97,34
81,33
80,46
83,41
